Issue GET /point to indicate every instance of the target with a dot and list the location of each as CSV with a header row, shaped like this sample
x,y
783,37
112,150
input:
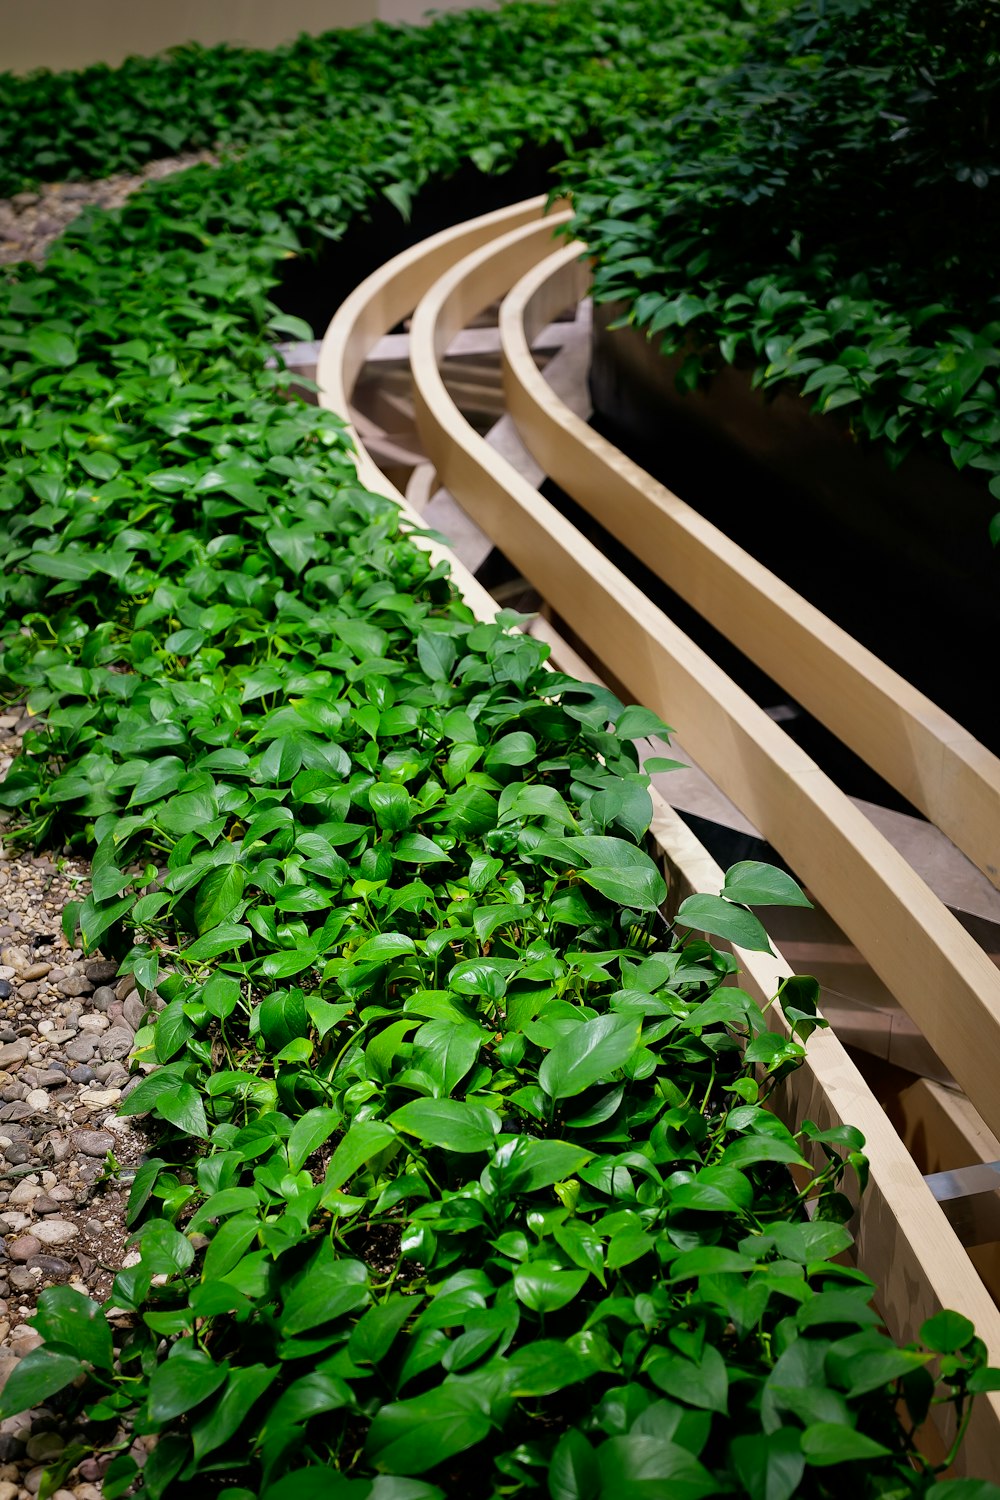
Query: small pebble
x,y
81,1049
116,1043
55,1231
101,1099
101,970
93,1142
74,985
25,1192
44,1446
91,1023
43,1204
134,1011
50,1265
24,1248
24,1339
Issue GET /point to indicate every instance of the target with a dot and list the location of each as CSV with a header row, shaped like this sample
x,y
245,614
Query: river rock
x,y
101,970
74,984
42,1447
116,1043
24,1248
51,1266
93,1142
82,1049
134,1011
55,1231
25,1192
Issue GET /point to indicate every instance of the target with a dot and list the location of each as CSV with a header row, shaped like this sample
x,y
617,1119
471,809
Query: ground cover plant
x,y
464,1181
825,216
101,120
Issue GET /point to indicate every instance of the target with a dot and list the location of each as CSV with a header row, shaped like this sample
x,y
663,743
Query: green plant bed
x,y
463,1180
463,1167
825,216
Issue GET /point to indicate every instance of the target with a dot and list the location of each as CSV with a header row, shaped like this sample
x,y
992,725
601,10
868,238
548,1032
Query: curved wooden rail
x,y
917,948
914,745
378,304
904,1240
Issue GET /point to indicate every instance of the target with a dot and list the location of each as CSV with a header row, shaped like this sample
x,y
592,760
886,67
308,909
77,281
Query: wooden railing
x,y
914,944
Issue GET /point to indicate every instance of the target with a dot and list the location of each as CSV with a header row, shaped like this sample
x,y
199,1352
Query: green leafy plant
x,y
824,216
464,1175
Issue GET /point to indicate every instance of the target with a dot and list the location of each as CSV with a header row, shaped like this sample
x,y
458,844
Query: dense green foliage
x,y
104,119
827,215
462,1166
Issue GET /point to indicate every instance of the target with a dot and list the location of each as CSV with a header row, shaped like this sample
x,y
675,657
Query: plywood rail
x,y
917,948
913,744
904,1240
371,310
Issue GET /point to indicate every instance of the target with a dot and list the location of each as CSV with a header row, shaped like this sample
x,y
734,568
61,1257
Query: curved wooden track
x,y
913,744
913,943
940,976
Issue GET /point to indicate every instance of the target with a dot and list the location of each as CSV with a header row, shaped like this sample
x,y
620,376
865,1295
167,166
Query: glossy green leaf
x,y
224,938
68,1318
365,1139
450,1124
308,1397
309,1133
770,1465
721,918
703,1383
756,884
219,897
182,1106
573,1471
183,1382
325,1294
647,1468
243,1388
412,1436
40,1374
827,1443
545,1286
417,849
229,1244
588,1053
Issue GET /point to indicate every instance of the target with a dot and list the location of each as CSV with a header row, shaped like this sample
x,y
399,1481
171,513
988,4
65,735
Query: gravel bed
x,y
67,1029
29,222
